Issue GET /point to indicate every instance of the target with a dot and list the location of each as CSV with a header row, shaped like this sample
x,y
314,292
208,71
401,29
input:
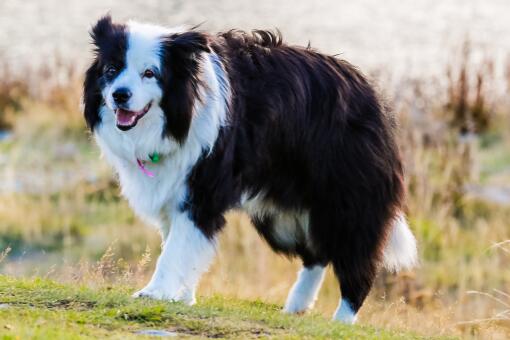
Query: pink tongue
x,y
125,117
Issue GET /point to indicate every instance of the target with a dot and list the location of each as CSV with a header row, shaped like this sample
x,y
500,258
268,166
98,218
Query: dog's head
x,y
144,75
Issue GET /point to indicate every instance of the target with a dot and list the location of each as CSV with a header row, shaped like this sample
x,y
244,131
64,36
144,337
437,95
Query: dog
x,y
196,124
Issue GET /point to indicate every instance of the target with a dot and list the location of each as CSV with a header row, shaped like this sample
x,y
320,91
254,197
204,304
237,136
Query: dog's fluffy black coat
x,y
305,131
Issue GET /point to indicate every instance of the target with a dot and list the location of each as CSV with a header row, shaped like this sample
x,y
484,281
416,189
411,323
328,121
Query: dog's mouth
x,y
127,119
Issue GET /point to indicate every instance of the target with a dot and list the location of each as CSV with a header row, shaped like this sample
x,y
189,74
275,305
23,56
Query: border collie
x,y
196,124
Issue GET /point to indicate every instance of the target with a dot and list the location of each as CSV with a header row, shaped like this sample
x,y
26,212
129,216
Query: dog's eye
x,y
148,73
110,71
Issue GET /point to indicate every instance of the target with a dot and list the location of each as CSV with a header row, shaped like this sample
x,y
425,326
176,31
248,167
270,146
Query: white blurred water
x,y
407,37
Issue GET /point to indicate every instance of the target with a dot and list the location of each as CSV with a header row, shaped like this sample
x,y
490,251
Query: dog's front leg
x,y
186,255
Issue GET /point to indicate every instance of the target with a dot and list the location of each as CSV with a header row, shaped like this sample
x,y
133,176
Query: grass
x,y
44,309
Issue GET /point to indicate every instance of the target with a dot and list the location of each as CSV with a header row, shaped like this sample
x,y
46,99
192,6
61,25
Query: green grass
x,y
43,309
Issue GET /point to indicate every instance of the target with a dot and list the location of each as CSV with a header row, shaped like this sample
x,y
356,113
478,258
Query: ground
x,y
42,309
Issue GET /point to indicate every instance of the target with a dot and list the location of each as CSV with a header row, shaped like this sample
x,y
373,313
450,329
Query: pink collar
x,y
142,167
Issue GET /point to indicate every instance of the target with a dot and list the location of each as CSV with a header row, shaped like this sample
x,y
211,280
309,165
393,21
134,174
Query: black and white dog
x,y
198,124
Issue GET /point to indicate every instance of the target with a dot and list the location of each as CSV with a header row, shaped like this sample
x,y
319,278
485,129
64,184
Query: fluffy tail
x,y
400,250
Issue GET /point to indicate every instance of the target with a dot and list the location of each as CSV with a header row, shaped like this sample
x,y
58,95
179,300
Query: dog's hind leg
x,y
355,269
356,279
352,242
305,290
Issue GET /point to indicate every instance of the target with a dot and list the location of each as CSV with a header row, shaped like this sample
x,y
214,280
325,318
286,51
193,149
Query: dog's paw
x,y
187,296
156,293
295,309
345,313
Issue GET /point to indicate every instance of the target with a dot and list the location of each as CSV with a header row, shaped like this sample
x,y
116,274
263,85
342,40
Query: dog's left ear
x,y
106,33
92,96
182,56
188,42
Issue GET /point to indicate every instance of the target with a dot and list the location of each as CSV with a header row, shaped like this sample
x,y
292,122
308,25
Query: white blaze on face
x,y
143,53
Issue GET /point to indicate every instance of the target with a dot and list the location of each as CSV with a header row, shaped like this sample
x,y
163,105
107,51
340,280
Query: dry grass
x,y
64,218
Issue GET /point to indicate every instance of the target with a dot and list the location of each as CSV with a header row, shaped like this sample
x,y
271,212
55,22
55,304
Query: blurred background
x,y
444,66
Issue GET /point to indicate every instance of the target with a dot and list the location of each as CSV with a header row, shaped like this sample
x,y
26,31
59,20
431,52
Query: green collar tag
x,y
155,157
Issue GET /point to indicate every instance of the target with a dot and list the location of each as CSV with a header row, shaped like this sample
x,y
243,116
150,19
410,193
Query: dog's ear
x,y
110,41
92,95
105,33
182,57
101,30
188,43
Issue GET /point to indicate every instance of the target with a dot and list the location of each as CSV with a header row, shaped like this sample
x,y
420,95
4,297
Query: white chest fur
x,y
154,199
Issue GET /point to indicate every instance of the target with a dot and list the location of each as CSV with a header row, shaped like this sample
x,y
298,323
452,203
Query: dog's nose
x,y
121,95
